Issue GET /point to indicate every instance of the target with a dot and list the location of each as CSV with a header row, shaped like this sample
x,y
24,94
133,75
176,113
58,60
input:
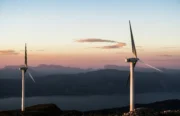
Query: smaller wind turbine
x,y
133,62
23,70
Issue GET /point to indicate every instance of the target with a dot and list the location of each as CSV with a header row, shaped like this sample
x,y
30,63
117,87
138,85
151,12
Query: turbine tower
x,y
133,62
24,69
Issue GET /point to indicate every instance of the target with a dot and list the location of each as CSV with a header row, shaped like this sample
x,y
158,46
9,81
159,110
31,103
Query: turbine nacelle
x,y
131,59
23,68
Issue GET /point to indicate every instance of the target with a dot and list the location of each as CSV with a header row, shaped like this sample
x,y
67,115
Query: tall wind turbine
x,y
133,62
24,69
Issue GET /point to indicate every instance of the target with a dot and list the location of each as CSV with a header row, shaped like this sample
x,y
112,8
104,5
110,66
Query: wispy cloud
x,y
165,55
115,46
91,40
94,40
138,46
169,60
168,47
122,52
140,49
33,50
40,50
24,50
8,52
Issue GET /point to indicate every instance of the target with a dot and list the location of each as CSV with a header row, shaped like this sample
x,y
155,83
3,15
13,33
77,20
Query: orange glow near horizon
x,y
88,58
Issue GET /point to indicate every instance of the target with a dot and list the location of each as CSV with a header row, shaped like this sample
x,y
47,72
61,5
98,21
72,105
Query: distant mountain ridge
x,y
44,69
40,70
100,82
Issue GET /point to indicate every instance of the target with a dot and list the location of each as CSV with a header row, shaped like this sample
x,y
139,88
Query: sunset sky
x,y
72,32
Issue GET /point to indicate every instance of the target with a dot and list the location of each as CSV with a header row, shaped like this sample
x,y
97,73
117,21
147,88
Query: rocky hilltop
x,y
162,108
41,110
151,112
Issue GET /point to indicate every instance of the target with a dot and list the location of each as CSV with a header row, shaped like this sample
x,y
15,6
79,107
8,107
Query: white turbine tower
x,y
133,62
23,70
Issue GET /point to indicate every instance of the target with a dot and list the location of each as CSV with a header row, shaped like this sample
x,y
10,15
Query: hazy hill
x,y
44,70
40,70
101,82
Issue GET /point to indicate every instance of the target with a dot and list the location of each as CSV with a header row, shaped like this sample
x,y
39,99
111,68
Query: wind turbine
x,y
24,69
133,62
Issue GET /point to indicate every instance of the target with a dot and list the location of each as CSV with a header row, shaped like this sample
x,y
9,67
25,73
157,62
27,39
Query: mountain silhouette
x,y
100,82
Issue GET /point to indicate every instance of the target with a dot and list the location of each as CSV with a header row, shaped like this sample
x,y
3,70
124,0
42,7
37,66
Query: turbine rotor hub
x,y
23,68
131,59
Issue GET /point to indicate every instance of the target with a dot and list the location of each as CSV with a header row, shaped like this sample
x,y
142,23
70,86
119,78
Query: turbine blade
x,y
132,41
25,55
127,83
151,66
31,76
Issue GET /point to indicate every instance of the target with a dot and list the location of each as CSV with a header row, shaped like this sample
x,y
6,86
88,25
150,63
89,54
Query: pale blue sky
x,y
54,24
